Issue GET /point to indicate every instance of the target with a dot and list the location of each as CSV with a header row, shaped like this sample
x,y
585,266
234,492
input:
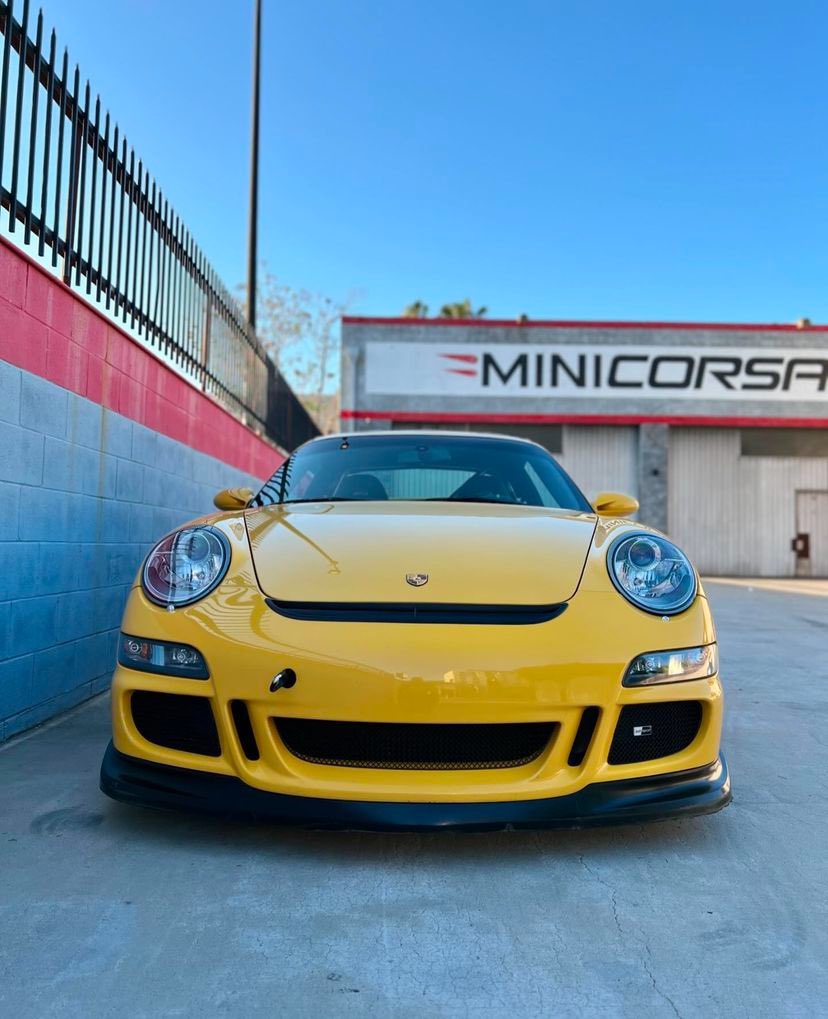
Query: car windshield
x,y
444,468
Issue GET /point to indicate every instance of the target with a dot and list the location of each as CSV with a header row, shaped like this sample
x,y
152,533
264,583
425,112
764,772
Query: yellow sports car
x,y
415,630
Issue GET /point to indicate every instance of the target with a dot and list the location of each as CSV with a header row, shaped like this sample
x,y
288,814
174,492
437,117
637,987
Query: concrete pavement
x,y
112,911
787,585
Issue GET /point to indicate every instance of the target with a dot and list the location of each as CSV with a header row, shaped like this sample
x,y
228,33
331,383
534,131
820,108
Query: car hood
x,y
472,553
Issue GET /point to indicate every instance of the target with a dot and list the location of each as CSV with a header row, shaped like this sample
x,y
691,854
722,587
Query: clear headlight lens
x,y
673,666
186,566
161,656
652,573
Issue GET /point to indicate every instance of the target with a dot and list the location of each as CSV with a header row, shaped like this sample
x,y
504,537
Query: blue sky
x,y
632,160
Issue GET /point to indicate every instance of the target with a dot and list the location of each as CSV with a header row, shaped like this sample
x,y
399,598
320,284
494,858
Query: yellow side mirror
x,y
614,504
233,498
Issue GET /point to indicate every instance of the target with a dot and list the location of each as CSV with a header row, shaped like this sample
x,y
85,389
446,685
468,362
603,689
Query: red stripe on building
x,y
425,417
48,329
500,323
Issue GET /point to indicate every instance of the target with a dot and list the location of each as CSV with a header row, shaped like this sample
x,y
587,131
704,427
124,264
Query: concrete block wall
x,y
103,449
84,493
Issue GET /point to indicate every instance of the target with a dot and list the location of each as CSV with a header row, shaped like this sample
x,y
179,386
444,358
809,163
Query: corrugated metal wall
x,y
736,515
601,458
421,484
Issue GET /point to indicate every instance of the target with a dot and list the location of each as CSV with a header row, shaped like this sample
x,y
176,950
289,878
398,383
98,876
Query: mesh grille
x,y
418,746
175,721
647,731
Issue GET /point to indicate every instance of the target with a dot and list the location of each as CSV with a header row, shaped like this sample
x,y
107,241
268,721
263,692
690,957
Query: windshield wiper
x,y
341,498
471,498
334,498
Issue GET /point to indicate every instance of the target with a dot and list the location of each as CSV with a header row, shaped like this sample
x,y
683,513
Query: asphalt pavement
x,y
107,910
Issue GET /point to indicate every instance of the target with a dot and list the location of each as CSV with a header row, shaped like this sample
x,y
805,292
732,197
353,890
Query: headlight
x,y
185,566
673,666
652,573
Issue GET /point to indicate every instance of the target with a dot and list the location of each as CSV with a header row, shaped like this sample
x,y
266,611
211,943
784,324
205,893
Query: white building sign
x,y
598,370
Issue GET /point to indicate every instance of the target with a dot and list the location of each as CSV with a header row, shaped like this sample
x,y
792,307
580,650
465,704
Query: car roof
x,y
421,432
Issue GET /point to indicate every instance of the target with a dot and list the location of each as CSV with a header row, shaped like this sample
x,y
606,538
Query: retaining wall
x,y
103,448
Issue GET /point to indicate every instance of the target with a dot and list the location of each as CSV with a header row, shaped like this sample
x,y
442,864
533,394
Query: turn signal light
x,y
161,656
673,666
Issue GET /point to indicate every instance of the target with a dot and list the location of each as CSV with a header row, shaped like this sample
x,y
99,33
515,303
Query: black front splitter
x,y
680,794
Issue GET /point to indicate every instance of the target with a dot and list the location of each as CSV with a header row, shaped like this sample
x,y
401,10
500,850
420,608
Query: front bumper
x,y
680,794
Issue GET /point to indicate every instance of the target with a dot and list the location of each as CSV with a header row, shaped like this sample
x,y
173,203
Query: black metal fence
x,y
78,199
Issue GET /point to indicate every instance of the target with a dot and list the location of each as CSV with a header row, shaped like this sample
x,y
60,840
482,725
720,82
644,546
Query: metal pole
x,y
252,233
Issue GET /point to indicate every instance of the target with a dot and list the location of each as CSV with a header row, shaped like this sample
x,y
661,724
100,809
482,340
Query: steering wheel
x,y
483,486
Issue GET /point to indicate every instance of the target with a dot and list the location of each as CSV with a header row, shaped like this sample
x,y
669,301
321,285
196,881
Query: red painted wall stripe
x,y
48,329
508,323
580,419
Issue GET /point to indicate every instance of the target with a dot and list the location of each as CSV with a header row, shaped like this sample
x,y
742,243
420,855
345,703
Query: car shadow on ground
x,y
168,829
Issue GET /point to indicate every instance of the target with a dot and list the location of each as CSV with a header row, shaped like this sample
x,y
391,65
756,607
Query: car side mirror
x,y
614,504
233,498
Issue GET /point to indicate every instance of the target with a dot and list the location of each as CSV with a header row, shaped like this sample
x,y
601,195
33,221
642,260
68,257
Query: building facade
x,y
720,431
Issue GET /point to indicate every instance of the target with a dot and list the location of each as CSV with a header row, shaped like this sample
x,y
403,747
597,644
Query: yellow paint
x,y
615,504
342,552
419,673
233,498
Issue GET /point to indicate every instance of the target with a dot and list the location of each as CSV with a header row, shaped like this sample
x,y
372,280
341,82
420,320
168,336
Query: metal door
x,y
811,541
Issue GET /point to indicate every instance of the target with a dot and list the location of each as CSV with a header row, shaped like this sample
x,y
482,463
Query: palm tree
x,y
462,309
416,310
